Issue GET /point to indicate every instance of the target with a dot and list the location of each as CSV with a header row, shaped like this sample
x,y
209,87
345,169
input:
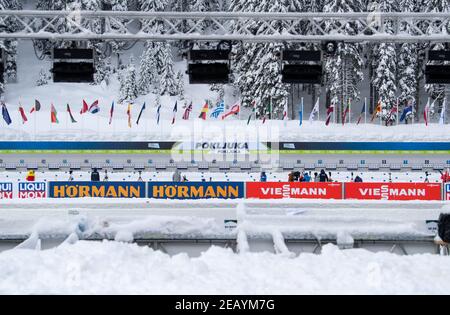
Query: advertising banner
x,y
196,190
393,191
447,191
97,189
6,191
297,190
32,190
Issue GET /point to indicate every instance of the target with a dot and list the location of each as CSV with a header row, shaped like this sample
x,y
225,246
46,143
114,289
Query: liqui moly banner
x,y
393,191
296,190
32,190
6,191
447,191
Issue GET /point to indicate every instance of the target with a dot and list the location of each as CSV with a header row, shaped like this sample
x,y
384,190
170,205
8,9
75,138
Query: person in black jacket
x,y
323,177
95,176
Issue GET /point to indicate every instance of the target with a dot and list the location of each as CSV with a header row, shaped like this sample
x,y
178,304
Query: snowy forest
x,y
391,71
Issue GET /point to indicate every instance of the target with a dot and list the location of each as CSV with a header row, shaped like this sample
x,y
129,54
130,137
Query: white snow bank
x,y
112,267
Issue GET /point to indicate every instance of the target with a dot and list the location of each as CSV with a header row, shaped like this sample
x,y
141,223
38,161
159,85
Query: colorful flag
x,y
204,111
36,107
406,112
252,113
345,113
94,108
53,115
391,112
140,114
5,114
363,112
330,111
70,114
442,117
187,112
175,110
218,110
377,110
129,115
158,114
234,110
111,113
314,111
285,111
266,113
85,108
22,113
425,112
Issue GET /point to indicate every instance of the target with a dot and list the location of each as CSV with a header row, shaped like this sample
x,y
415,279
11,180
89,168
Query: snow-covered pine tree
x,y
257,69
44,76
436,91
117,5
385,71
128,87
180,85
147,69
344,69
408,61
103,70
167,78
152,6
10,46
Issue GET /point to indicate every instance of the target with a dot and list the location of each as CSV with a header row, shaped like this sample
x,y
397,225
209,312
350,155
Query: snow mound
x,y
113,267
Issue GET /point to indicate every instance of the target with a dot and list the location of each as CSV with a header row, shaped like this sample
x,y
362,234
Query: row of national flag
x,y
219,112
407,112
94,108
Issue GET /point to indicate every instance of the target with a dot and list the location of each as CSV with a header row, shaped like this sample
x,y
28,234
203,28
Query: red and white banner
x,y
294,190
393,191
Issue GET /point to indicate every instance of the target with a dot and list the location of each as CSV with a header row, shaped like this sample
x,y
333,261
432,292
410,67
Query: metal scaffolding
x,y
234,26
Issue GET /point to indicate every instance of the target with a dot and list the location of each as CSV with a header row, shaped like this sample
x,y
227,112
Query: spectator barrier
x,y
226,190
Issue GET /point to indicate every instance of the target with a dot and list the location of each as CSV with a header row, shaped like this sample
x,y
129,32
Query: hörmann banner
x,y
393,191
32,190
294,190
447,191
97,189
6,191
196,190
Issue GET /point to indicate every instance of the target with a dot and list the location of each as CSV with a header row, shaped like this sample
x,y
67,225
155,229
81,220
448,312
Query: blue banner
x,y
96,189
32,190
196,190
6,191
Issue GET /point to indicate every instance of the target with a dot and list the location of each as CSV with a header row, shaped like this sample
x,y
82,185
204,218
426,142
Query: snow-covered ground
x,y
119,268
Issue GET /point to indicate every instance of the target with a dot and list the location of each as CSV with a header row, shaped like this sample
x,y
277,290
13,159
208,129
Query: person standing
x,y
95,176
176,177
31,177
323,177
70,176
263,177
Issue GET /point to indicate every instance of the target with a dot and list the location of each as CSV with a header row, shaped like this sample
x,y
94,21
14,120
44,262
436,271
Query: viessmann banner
x,y
96,189
196,190
294,190
393,191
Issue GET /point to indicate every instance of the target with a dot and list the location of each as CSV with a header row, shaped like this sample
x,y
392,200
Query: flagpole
x,y
397,111
350,111
318,109
365,110
381,113
303,113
